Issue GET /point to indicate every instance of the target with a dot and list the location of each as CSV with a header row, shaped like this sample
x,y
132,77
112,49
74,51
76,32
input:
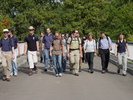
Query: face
x,y
5,34
42,34
84,37
121,36
90,36
48,30
57,35
102,35
62,35
31,31
76,33
9,33
67,35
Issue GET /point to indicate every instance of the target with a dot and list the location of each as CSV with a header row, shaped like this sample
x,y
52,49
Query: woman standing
x,y
120,51
90,49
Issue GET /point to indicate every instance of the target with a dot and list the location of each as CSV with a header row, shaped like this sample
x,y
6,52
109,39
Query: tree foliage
x,y
110,16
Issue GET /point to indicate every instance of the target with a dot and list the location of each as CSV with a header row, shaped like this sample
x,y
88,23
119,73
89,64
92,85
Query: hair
x,y
10,30
120,34
102,33
74,31
42,32
48,28
119,37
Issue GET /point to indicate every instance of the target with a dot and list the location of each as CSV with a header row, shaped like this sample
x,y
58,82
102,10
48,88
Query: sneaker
x,y
15,74
30,73
106,70
79,69
45,70
4,78
76,74
8,79
56,75
60,75
118,71
124,74
11,74
51,68
103,71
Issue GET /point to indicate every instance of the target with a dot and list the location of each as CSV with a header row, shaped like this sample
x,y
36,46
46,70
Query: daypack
x,y
93,42
99,42
74,40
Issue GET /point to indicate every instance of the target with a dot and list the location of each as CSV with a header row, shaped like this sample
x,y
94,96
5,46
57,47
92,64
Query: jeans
x,y
105,56
64,59
47,57
14,63
57,63
41,54
90,57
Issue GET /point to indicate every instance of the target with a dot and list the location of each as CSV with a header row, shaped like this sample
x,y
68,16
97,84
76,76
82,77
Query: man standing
x,y
7,47
105,45
74,52
46,42
32,45
14,70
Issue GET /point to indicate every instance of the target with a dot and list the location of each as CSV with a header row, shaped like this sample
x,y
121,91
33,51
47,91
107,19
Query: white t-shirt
x,y
90,45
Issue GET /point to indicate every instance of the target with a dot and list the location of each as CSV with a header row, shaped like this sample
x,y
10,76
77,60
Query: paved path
x,y
45,86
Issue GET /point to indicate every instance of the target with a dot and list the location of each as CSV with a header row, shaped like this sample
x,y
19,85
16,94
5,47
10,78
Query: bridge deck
x,y
45,86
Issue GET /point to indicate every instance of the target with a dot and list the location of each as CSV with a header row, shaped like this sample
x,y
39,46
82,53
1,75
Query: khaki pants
x,y
74,60
122,60
32,58
6,62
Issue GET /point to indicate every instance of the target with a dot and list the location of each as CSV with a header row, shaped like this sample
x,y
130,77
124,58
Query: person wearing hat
x,y
104,45
7,48
31,47
90,50
74,52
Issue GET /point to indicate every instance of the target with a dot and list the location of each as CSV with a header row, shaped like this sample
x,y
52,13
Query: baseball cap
x,y
5,30
31,27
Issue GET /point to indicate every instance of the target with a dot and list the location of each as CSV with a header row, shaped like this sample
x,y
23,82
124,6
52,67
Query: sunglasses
x,y
77,32
5,32
31,29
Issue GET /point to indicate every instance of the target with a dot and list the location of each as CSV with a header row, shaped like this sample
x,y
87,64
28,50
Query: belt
x,y
73,49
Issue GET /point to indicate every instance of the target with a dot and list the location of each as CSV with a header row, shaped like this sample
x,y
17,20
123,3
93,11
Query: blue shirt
x,y
47,40
121,46
104,43
6,44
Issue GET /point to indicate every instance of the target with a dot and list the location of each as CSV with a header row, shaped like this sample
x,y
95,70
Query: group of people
x,y
59,48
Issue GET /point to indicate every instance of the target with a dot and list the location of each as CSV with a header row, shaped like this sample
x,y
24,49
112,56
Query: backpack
x,y
73,40
100,40
93,42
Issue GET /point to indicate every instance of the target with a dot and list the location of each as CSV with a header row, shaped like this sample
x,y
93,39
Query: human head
x,y
42,34
102,34
67,35
57,35
62,35
48,30
90,35
121,36
75,33
5,32
31,29
10,32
